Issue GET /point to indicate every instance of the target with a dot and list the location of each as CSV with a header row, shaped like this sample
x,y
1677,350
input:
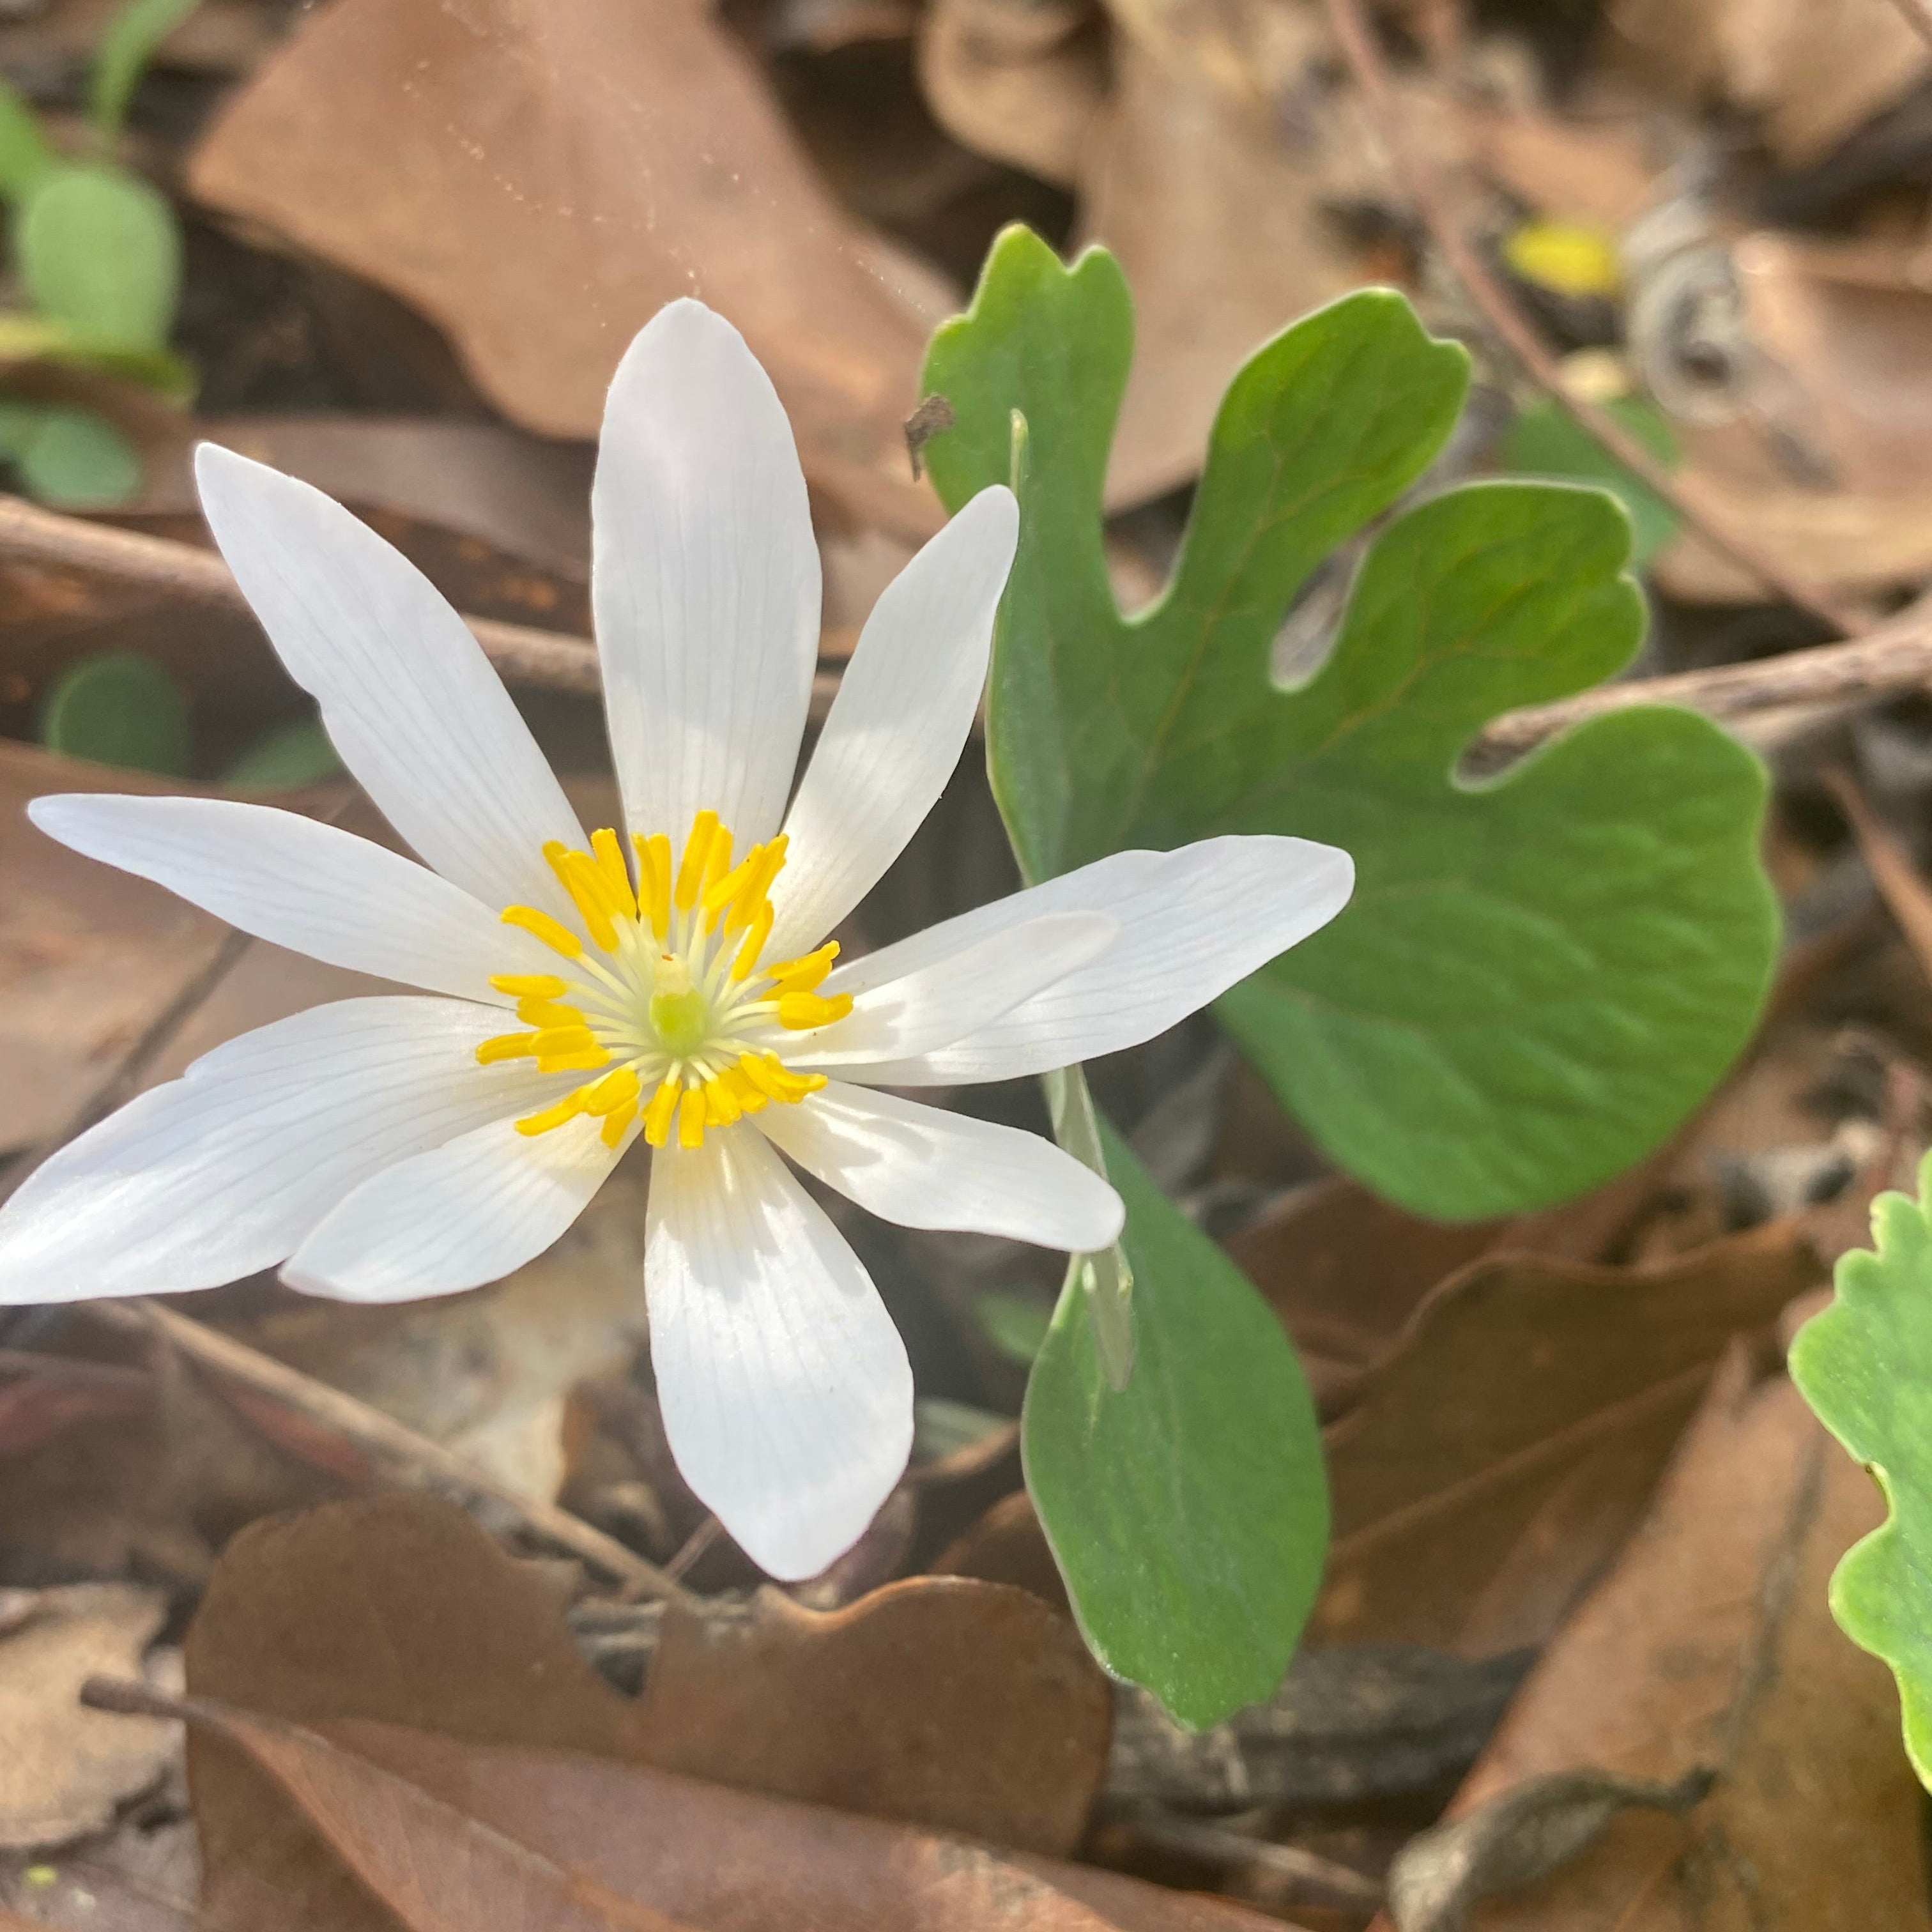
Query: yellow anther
x,y
528,985
565,1039
801,1012
770,860
586,1062
617,1122
719,896
614,1091
721,1105
754,943
805,974
565,1109
558,938
611,863
697,854
690,1111
654,880
658,1116
751,1097
507,1046
790,1088
538,1012
583,879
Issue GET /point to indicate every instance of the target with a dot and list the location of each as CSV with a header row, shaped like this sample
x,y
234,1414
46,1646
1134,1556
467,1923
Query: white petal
x,y
786,1392
902,716
1192,923
222,1172
923,1168
293,882
959,993
455,1217
406,695
704,580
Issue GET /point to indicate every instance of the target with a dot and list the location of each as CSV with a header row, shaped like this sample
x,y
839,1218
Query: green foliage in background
x,y
98,252
1865,1367
1539,976
119,708
1545,441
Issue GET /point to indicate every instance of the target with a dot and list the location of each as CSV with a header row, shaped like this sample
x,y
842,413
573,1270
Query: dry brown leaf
x,y
1711,1644
540,180
1566,170
753,1703
63,1770
1500,1453
1021,81
945,1703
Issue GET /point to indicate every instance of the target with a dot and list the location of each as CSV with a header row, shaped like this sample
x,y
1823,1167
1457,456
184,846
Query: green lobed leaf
x,y
1543,441
1539,976
1864,1364
98,250
118,708
1188,1512
125,49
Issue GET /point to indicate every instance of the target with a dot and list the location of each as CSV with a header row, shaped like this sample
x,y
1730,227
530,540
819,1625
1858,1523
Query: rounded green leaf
x,y
1865,1367
74,459
294,755
1188,1512
119,709
1544,441
98,250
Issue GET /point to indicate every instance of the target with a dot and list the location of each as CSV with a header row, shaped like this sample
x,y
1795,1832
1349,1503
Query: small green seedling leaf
x,y
1188,1512
124,53
1543,441
25,155
1865,1367
292,756
1016,1324
98,250
70,458
27,338
1539,976
119,709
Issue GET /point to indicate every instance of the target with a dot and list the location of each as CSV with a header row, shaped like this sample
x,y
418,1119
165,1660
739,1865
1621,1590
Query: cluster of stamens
x,y
677,1007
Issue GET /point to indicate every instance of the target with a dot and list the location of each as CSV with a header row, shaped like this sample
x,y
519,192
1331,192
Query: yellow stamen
x,y
611,863
654,880
565,1109
760,1075
558,938
581,878
691,1118
719,896
752,1098
771,863
696,852
801,1012
721,1104
507,1046
754,943
536,1012
617,1122
658,1114
565,1039
717,869
528,985
614,1091
805,974
778,1080
586,1062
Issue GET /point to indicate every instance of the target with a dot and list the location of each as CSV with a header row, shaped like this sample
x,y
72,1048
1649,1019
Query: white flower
x,y
671,984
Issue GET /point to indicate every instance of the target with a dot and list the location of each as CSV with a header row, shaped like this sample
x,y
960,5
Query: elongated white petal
x,y
704,581
956,995
455,1217
902,716
223,1172
924,1167
407,693
786,1392
1192,923
293,882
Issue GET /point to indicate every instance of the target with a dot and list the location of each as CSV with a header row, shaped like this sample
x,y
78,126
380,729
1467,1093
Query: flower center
x,y
668,1004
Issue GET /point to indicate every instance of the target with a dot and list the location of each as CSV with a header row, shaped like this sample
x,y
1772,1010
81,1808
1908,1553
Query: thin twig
x,y
415,1458
1508,323
1918,16
1313,1879
1890,658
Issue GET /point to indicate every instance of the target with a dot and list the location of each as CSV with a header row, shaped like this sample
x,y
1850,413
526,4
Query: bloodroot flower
x,y
670,980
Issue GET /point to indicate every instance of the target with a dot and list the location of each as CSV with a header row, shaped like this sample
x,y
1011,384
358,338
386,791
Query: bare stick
x,y
415,1458
1891,658
1312,1878
1508,323
1918,16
